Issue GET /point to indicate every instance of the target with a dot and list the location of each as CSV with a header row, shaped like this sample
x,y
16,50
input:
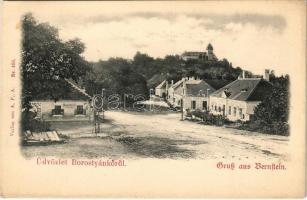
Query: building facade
x,y
200,55
175,93
62,110
196,96
189,93
162,89
75,105
237,100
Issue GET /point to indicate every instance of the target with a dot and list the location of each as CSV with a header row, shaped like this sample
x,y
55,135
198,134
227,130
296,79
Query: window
x,y
229,110
240,112
80,110
204,105
234,111
220,109
215,108
57,110
193,104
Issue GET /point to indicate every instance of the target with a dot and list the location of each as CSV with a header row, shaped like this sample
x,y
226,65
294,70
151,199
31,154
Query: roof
x,y
199,89
250,89
188,81
209,47
66,89
193,53
161,85
177,84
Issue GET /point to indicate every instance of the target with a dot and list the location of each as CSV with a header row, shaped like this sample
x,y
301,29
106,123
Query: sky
x,y
253,39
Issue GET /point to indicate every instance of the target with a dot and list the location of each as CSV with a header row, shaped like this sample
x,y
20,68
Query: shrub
x,y
277,128
28,122
208,118
271,115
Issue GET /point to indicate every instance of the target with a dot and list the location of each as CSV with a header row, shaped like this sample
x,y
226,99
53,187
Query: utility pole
x,y
97,102
181,104
150,99
124,102
98,123
102,95
208,106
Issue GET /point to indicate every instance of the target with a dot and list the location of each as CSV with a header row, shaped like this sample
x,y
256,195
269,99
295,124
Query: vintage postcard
x,y
171,99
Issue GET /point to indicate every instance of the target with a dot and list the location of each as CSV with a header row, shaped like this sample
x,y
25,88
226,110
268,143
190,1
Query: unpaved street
x,y
145,135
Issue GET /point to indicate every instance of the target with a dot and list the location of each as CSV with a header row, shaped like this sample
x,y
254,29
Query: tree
x,y
119,76
47,61
273,112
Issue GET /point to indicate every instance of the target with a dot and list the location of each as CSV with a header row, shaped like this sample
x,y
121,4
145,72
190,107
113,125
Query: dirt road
x,y
144,135
167,136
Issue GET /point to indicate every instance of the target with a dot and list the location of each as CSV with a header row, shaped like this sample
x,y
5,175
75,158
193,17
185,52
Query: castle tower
x,y
211,55
210,48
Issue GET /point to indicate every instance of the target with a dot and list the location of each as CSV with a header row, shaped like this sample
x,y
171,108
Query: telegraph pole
x,y
98,107
150,103
102,95
181,105
124,102
208,105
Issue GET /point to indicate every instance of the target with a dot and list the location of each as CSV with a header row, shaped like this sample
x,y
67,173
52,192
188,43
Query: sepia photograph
x,y
183,86
172,99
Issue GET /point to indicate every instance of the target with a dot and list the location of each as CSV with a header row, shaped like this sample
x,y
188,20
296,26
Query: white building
x,y
237,100
74,106
196,95
194,91
175,93
200,55
161,89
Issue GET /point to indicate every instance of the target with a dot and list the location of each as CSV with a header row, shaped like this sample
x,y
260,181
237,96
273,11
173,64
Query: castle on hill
x,y
196,55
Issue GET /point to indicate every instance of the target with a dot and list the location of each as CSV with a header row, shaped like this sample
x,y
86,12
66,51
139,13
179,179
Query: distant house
x,y
199,55
74,106
193,90
161,89
196,95
237,100
175,93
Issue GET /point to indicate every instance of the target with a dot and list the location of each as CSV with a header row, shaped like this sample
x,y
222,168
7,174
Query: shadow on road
x,y
158,147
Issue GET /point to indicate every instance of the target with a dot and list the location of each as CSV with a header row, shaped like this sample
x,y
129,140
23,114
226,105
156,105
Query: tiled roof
x,y
198,89
178,83
69,93
162,84
245,90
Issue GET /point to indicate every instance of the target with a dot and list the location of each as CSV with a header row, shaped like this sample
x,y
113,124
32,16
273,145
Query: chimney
x,y
267,74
